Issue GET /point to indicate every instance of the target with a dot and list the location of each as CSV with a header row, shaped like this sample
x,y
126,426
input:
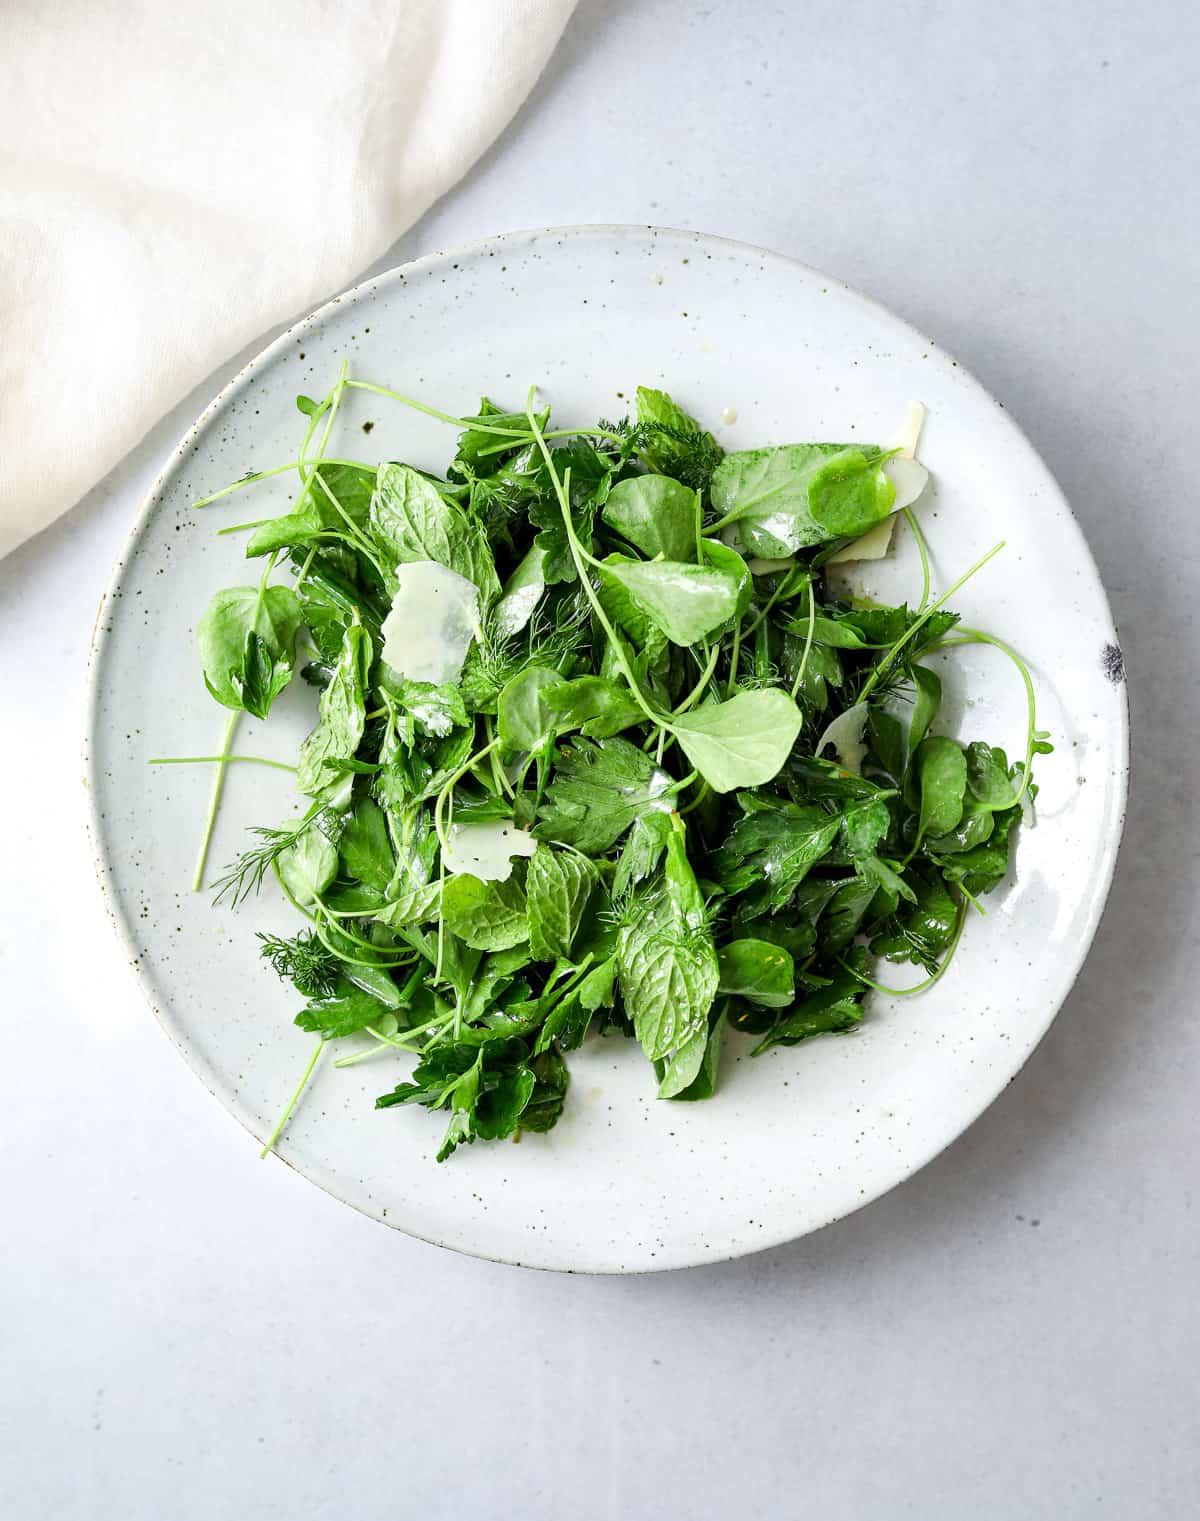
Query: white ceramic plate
x,y
796,1138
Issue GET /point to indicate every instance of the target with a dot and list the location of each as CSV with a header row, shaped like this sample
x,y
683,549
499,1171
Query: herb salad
x,y
599,752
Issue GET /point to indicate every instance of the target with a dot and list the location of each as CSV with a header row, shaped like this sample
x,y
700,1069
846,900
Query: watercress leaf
x,y
342,711
230,619
758,970
558,886
314,514
972,829
487,916
598,789
742,742
886,739
656,514
988,780
770,850
721,557
796,495
985,866
940,768
927,699
627,615
685,601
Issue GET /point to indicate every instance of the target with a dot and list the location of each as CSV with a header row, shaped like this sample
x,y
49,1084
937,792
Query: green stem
x,y
890,657
808,642
293,1101
918,987
924,553
977,636
225,760
214,800
705,677
784,583
578,554
263,475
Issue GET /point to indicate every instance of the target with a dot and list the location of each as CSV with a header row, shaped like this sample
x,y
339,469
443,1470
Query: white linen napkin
x,y
177,178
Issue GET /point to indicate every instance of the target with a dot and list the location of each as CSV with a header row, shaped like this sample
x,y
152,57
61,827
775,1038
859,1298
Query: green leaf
x,y
342,712
488,916
642,851
988,780
668,975
351,486
703,1084
598,789
721,557
558,886
770,850
742,742
985,866
348,1010
684,601
828,1011
365,848
683,1068
523,717
411,520
927,699
522,592
796,495
308,866
627,615
599,708
247,642
757,970
544,1106
922,933
435,710
941,778
656,514
887,742
672,441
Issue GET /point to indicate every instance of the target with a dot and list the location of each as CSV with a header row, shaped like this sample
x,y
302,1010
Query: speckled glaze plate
x,y
796,1138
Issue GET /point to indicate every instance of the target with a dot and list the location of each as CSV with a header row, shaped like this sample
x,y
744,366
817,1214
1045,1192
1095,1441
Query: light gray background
x,y
185,1332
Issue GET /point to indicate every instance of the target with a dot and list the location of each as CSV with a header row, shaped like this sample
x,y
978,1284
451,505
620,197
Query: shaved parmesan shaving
x,y
433,619
486,850
909,479
873,545
845,734
910,434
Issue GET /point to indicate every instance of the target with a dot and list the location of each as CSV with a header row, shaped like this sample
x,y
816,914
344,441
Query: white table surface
x,y
188,1333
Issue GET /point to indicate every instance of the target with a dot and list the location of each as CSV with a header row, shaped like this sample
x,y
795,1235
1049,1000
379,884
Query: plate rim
x,y
694,1256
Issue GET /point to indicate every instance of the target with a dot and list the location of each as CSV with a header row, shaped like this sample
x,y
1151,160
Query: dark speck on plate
x,y
1114,663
